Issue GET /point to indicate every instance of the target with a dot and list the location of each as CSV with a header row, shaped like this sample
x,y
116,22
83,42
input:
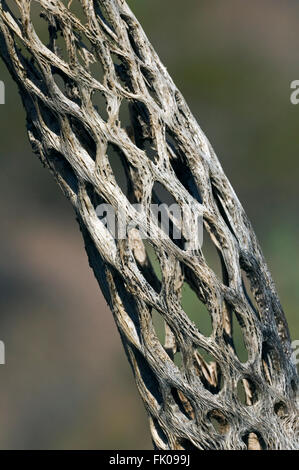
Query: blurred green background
x,y
66,383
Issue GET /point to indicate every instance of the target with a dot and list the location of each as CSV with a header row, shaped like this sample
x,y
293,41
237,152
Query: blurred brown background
x,y
66,383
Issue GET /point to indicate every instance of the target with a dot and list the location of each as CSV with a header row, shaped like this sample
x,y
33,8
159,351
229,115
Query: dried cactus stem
x,y
105,54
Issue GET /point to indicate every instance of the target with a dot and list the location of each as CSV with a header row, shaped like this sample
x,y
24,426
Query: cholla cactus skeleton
x,y
195,405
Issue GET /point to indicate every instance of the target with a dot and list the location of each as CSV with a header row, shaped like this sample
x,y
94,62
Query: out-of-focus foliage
x,y
67,383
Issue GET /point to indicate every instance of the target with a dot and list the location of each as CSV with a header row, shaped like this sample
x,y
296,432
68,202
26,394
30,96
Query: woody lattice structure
x,y
99,53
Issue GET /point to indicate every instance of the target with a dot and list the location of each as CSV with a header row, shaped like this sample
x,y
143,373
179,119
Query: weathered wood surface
x,y
196,405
